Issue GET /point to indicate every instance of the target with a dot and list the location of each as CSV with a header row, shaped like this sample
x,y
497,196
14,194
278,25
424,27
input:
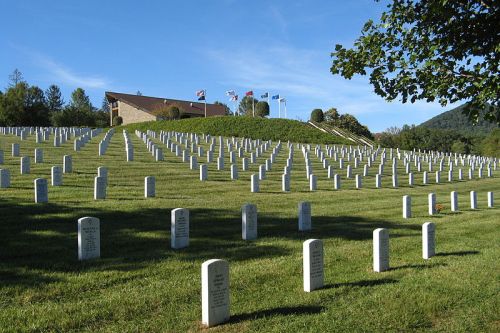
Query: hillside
x,y
255,128
455,119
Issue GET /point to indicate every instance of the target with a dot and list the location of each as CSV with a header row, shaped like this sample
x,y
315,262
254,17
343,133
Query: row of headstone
x,y
381,246
453,203
103,145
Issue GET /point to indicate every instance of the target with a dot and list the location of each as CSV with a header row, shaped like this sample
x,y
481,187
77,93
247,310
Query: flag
x,y
282,100
249,93
234,98
201,98
266,95
200,93
230,93
276,97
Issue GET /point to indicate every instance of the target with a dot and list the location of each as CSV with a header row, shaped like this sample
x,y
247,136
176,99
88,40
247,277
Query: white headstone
x,y
4,178
304,216
380,250
432,203
41,190
25,165
262,172
234,172
15,149
285,182
214,292
454,201
312,250
56,176
179,228
220,163
67,164
99,188
102,172
38,155
89,238
313,180
203,172
378,180
428,240
473,200
358,181
336,181
149,186
490,200
249,222
254,183
406,207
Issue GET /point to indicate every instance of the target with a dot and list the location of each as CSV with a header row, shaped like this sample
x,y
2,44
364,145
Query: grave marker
x,y
179,228
406,207
56,176
214,292
428,240
304,216
313,263
89,238
249,222
149,187
41,190
380,250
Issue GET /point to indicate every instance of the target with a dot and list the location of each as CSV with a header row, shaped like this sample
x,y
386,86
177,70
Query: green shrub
x,y
117,121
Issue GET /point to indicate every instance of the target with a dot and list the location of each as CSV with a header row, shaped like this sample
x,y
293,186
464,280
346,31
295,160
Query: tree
x,y
431,50
15,78
54,100
317,115
331,115
246,105
35,111
490,146
262,109
227,110
81,101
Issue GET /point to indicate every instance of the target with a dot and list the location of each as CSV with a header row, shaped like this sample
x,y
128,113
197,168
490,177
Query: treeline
x,y
22,104
344,121
419,137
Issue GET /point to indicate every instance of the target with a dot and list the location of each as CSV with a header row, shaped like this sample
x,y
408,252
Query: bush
x,y
117,121
317,115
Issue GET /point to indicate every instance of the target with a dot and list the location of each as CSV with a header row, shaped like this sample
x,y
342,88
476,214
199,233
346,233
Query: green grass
x,y
248,127
141,285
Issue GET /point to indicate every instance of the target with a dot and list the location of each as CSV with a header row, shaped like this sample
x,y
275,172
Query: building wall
x,y
131,115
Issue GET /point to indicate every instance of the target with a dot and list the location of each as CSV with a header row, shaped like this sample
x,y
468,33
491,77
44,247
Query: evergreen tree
x,y
54,100
81,101
15,78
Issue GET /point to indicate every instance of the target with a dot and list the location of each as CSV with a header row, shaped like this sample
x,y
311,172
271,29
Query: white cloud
x,y
67,76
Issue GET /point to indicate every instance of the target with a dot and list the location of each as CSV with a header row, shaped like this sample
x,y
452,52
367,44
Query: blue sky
x,y
173,48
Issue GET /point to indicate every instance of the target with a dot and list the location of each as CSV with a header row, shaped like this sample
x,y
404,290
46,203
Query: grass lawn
x,y
141,285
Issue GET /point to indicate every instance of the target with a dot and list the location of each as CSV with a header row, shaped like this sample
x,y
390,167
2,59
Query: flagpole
x,y
253,106
205,103
279,108
286,115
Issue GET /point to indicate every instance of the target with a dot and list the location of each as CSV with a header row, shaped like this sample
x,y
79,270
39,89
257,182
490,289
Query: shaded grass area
x,y
141,284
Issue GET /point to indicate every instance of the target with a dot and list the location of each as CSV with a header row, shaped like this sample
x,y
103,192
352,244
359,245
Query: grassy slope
x,y
140,284
255,128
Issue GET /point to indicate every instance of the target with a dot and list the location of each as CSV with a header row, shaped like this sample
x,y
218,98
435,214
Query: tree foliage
x,y
317,115
227,110
332,115
431,50
430,139
247,105
262,109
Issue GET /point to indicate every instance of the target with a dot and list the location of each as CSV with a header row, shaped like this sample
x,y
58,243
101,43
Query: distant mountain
x,y
455,119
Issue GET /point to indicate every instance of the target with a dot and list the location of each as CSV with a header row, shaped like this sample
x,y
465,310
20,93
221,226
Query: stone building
x,y
137,108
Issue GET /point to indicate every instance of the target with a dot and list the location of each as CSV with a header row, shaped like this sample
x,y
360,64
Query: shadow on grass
x,y
458,253
362,283
43,237
418,266
281,311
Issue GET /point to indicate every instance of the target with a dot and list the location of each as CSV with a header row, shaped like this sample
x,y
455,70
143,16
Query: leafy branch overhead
x,y
436,50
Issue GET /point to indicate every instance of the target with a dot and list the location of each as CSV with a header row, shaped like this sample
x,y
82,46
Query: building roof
x,y
148,104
